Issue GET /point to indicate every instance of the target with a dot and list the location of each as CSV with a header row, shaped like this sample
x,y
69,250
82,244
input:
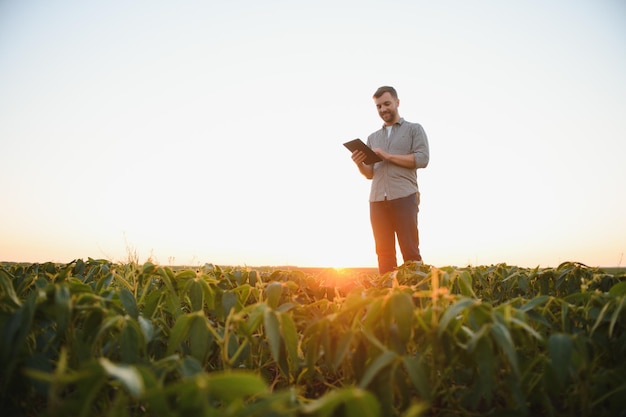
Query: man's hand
x,y
359,158
406,161
384,155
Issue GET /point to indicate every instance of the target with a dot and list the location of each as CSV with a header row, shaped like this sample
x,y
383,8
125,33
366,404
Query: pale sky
x,y
204,131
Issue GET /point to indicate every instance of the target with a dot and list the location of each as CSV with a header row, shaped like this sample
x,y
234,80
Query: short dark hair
x,y
386,89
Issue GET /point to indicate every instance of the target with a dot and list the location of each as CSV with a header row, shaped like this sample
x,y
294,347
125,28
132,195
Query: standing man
x,y
394,197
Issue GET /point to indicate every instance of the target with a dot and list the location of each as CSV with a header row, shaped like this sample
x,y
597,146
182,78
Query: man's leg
x,y
384,235
405,223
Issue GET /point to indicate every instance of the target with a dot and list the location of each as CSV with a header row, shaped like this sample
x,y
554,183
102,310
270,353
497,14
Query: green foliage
x,y
92,338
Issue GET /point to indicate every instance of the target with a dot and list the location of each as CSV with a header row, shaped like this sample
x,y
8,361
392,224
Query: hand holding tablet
x,y
359,145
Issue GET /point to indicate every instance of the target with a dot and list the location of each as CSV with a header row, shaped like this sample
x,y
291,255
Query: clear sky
x,y
211,131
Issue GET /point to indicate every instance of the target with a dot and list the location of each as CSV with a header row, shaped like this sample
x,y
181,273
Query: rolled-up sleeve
x,y
420,146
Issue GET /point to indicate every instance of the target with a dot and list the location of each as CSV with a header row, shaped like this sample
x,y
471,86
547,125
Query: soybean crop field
x,y
95,338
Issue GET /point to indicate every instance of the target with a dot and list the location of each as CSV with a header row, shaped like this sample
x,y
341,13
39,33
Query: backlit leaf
x,y
185,274
127,375
273,291
195,294
272,331
227,386
357,403
382,361
343,346
402,309
290,337
465,284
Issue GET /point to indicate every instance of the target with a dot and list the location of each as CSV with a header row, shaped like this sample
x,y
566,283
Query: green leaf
x,y
290,337
232,345
402,309
129,303
272,330
148,267
185,274
229,386
486,368
62,307
453,311
477,337
147,328
273,291
465,285
418,375
255,316
600,318
503,338
190,367
362,404
343,346
229,301
382,361
152,301
168,277
7,289
374,314
209,294
373,340
560,349
195,294
14,332
200,338
615,315
131,341
542,299
618,289
253,277
526,327
357,403
127,375
239,276
179,333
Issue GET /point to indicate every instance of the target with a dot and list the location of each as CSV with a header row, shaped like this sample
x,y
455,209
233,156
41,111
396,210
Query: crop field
x,y
95,338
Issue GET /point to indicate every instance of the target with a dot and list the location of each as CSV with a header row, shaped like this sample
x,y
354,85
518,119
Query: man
x,y
394,197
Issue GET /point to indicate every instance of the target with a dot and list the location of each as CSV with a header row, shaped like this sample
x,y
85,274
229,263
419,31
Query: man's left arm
x,y
405,161
421,154
418,159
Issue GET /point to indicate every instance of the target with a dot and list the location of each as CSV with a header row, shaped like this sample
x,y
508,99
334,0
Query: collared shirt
x,y
392,181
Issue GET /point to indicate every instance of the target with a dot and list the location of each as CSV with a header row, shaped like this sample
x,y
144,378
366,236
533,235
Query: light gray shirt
x,y
392,181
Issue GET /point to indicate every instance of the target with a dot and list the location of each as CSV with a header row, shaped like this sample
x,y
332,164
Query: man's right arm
x,y
359,159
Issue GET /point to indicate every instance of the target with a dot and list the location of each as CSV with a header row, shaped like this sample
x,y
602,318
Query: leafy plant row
x,y
94,338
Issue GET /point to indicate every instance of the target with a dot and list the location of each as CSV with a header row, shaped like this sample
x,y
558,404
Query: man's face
x,y
387,107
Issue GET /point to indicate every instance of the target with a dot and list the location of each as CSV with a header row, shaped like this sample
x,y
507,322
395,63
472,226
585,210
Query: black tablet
x,y
359,145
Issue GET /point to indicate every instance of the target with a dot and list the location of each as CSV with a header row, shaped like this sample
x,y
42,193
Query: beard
x,y
388,116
